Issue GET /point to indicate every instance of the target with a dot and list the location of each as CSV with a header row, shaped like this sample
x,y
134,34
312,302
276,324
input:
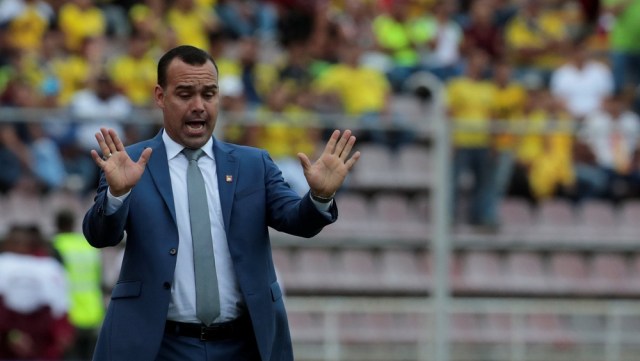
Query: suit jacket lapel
x,y
227,172
158,167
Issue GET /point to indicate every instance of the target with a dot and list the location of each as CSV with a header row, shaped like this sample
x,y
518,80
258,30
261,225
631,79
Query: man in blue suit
x,y
155,309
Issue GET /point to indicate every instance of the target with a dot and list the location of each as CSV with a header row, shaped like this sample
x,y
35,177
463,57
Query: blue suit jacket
x,y
256,198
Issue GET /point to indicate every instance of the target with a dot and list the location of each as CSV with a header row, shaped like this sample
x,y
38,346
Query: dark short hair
x,y
188,54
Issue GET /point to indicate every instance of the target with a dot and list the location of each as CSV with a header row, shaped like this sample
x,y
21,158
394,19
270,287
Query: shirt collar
x,y
173,148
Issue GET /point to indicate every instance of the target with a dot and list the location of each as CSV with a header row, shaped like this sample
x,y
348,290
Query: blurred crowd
x,y
542,96
542,93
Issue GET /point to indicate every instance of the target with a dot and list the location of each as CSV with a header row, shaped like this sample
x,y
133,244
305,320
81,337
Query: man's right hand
x,y
120,171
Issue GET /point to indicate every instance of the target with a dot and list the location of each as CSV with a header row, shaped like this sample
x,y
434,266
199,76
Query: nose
x,y
197,106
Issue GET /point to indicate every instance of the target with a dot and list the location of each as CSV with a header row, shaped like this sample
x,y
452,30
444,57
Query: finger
x,y
144,157
342,142
116,140
331,144
352,161
104,148
96,158
108,139
304,162
347,148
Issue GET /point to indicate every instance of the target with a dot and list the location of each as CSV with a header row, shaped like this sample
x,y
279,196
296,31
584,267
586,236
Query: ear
x,y
159,96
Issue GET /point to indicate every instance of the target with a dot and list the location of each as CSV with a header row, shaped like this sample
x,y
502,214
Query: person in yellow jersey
x,y
134,71
26,22
469,100
507,114
191,22
364,93
283,129
92,25
534,38
83,266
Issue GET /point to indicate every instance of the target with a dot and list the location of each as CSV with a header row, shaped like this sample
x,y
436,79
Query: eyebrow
x,y
191,87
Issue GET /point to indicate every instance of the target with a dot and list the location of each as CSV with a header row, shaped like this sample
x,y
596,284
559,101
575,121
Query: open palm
x,y
327,173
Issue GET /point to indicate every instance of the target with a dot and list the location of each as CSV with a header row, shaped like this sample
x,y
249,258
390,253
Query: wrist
x,y
322,198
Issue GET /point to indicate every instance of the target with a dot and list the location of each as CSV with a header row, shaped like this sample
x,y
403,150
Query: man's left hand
x,y
327,173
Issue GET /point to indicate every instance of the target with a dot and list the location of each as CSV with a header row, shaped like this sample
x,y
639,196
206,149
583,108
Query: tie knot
x,y
193,154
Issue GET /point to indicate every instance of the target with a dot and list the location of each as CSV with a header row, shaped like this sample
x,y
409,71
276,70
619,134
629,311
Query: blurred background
x,y
494,215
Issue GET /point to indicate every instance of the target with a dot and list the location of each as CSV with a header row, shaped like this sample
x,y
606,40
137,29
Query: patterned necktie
x,y
207,296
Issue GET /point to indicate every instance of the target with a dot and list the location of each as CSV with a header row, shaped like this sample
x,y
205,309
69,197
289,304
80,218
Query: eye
x,y
208,95
184,95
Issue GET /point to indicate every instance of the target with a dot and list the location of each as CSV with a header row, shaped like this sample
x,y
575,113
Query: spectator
x,y
354,23
551,171
469,100
284,130
624,42
27,21
608,161
257,77
401,40
33,301
443,58
534,39
248,18
482,31
133,72
93,24
75,69
91,108
191,22
581,83
507,113
364,93
32,158
82,263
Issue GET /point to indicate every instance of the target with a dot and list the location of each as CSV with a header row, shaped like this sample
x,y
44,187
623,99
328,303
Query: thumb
x,y
144,157
304,162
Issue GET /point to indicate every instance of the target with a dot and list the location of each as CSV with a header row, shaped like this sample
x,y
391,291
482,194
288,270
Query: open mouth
x,y
195,125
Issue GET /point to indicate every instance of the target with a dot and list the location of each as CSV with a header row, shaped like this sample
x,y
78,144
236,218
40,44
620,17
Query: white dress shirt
x,y
182,307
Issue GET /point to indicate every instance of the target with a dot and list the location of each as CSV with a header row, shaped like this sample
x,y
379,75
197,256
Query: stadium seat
x,y
610,274
376,170
404,271
416,168
358,270
354,221
557,221
525,272
395,217
314,271
482,272
569,273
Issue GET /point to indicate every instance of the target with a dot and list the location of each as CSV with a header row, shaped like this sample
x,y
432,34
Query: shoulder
x,y
238,150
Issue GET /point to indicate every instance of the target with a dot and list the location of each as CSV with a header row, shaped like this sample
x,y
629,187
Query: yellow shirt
x,y
550,27
73,74
78,25
470,103
27,29
136,77
287,133
191,28
508,108
361,90
553,167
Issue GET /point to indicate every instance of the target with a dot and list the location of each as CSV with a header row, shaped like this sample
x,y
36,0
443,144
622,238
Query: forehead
x,y
180,73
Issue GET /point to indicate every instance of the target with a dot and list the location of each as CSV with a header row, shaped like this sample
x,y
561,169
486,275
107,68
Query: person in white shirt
x,y
582,83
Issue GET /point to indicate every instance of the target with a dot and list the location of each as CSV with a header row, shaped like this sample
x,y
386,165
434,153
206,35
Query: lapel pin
x,y
229,178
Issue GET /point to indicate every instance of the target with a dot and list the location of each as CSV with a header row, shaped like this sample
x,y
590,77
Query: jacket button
x,y
166,285
173,251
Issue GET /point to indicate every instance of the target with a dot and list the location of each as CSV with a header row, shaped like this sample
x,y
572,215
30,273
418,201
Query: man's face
x,y
189,102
